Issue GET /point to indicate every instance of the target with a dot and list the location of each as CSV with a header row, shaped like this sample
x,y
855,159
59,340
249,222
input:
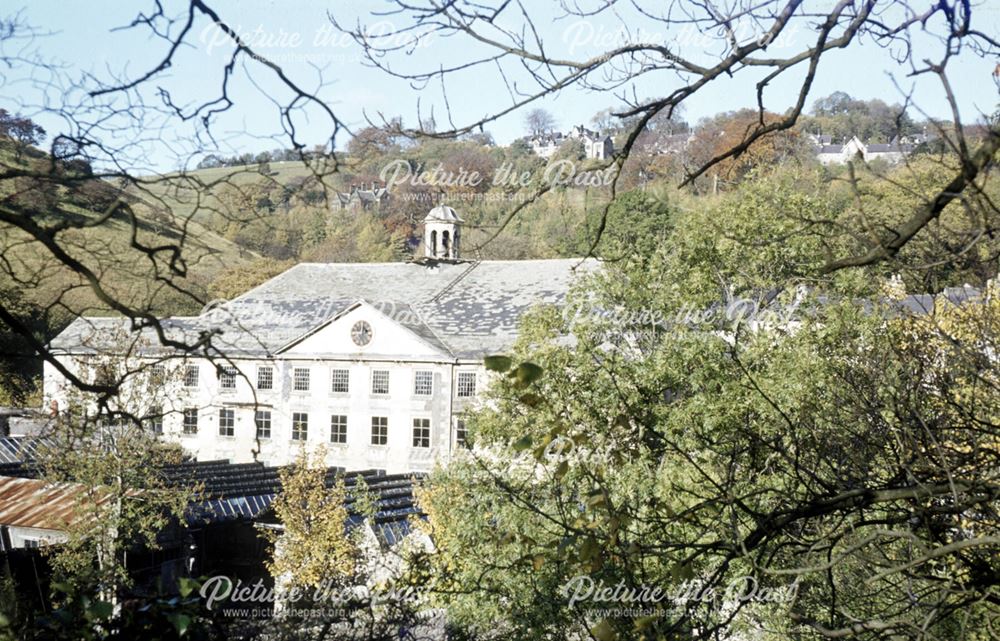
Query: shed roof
x,y
37,504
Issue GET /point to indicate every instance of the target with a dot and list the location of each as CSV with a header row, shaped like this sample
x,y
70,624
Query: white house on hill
x,y
376,361
829,153
595,145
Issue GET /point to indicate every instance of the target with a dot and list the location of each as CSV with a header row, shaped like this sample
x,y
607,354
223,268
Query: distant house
x,y
595,145
362,197
546,144
667,144
830,153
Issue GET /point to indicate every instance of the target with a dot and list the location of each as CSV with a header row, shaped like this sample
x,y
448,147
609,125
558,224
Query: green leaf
x,y
644,622
589,549
527,373
531,400
101,610
604,632
497,363
538,561
186,586
181,622
561,470
681,572
597,499
62,588
522,444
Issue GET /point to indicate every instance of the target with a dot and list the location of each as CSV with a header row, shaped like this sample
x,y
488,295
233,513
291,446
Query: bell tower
x,y
442,234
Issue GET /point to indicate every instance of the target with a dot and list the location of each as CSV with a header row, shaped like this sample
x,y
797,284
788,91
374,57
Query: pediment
x,y
389,331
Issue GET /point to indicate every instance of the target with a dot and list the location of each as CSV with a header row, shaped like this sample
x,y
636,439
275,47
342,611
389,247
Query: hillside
x,y
127,242
191,195
289,210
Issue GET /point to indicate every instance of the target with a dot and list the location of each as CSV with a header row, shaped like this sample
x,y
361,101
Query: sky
x,y
297,34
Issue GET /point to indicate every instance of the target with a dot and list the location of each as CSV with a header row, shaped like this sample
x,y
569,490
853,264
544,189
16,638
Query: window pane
x,y
300,379
421,432
191,421
461,434
466,384
380,381
300,426
263,420
156,419
380,430
338,428
226,423
265,377
340,381
227,377
191,376
423,383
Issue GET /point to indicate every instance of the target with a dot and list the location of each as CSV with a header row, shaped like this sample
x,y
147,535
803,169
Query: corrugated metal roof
x,y
18,449
37,504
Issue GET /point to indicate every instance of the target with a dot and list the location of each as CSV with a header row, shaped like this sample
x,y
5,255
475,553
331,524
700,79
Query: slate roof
x,y
232,491
467,309
882,148
443,213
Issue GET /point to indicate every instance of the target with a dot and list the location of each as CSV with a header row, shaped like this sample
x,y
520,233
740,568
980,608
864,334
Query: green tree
x,y
840,457
338,581
105,447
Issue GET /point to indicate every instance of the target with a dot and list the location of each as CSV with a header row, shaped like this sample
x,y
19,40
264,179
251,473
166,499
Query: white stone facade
x,y
393,353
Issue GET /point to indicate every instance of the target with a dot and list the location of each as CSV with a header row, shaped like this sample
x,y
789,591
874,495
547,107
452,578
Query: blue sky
x,y
298,35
